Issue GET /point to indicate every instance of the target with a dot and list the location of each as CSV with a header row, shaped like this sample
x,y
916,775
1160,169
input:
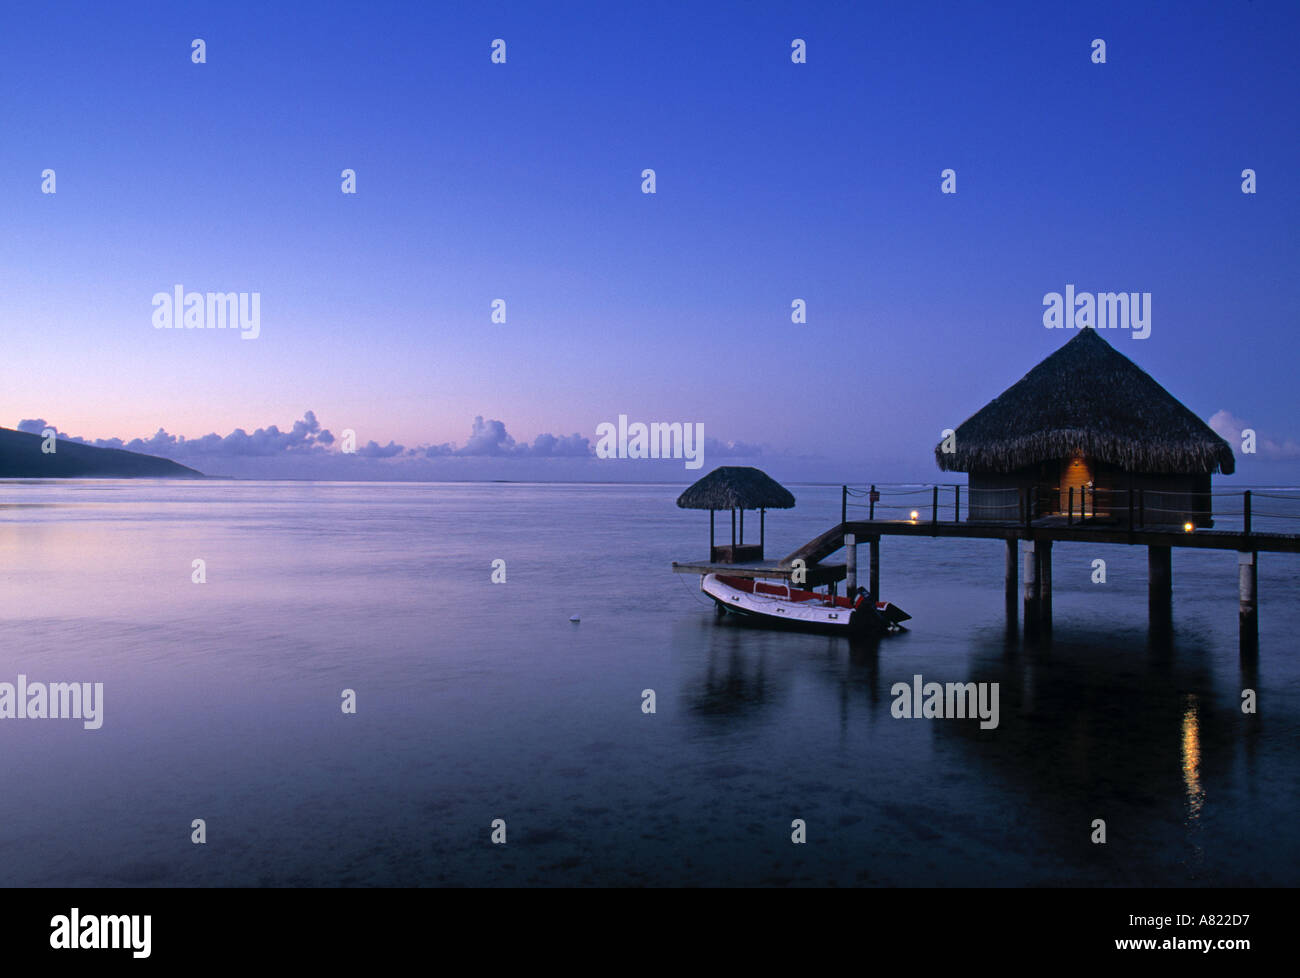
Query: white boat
x,y
777,603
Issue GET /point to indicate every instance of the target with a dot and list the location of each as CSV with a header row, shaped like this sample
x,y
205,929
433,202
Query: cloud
x,y
568,446
306,437
1229,427
490,439
307,440
373,449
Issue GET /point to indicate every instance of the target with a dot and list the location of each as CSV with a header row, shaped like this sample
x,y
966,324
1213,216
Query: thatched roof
x,y
736,487
1087,399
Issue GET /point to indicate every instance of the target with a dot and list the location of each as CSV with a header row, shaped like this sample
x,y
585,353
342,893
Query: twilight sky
x,y
522,181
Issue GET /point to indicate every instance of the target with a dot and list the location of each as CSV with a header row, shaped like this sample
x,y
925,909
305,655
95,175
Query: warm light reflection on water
x,y
1195,791
1192,786
1192,759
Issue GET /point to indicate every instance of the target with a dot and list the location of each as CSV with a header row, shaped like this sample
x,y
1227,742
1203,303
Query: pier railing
x,y
1265,510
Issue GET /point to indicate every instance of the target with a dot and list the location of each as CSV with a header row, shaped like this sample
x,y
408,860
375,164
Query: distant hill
x,y
21,458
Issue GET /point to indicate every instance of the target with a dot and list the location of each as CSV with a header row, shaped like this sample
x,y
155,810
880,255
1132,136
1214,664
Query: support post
x,y
1245,511
1248,580
850,564
710,535
1013,581
1159,584
1030,587
956,506
1069,513
934,506
742,526
1045,583
733,527
873,573
762,529
871,503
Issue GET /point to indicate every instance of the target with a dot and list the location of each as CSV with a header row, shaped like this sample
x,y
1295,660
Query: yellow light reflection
x,y
1192,759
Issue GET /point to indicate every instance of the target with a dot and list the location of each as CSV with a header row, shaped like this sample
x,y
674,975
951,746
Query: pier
x,y
1133,518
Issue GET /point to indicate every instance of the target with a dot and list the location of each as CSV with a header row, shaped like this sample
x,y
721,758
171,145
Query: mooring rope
x,y
699,596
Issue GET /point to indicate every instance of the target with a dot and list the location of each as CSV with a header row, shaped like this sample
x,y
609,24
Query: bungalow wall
x,y
997,495
1163,500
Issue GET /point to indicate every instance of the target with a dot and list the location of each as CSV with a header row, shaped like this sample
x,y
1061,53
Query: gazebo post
x,y
733,528
742,526
710,534
762,527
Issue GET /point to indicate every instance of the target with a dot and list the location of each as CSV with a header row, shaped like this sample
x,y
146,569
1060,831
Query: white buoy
x,y
574,618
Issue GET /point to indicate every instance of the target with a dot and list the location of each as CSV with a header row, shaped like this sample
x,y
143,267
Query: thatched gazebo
x,y
1085,430
737,488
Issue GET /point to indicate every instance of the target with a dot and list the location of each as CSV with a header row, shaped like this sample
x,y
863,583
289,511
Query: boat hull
x,y
780,606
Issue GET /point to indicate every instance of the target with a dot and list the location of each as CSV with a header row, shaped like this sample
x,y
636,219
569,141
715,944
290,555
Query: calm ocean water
x,y
479,701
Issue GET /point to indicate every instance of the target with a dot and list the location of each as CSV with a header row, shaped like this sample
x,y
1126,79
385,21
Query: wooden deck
x,y
1054,529
779,570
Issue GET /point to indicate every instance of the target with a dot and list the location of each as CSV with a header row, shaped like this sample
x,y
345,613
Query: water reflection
x,y
1192,759
747,671
1192,778
736,682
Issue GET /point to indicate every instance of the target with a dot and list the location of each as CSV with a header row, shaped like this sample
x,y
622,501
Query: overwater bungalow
x,y
1085,433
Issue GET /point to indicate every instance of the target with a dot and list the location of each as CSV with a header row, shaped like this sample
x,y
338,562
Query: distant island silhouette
x,y
21,458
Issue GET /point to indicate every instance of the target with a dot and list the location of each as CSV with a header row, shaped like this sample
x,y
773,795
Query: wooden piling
x,y
1032,606
1248,581
1012,582
1159,583
1044,551
850,564
873,572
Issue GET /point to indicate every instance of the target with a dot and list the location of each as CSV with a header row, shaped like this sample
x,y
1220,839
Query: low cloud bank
x,y
309,451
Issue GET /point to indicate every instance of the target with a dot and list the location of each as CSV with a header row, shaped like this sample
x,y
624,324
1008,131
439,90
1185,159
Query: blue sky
x,y
521,181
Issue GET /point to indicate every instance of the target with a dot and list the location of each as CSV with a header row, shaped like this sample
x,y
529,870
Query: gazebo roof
x,y
736,487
